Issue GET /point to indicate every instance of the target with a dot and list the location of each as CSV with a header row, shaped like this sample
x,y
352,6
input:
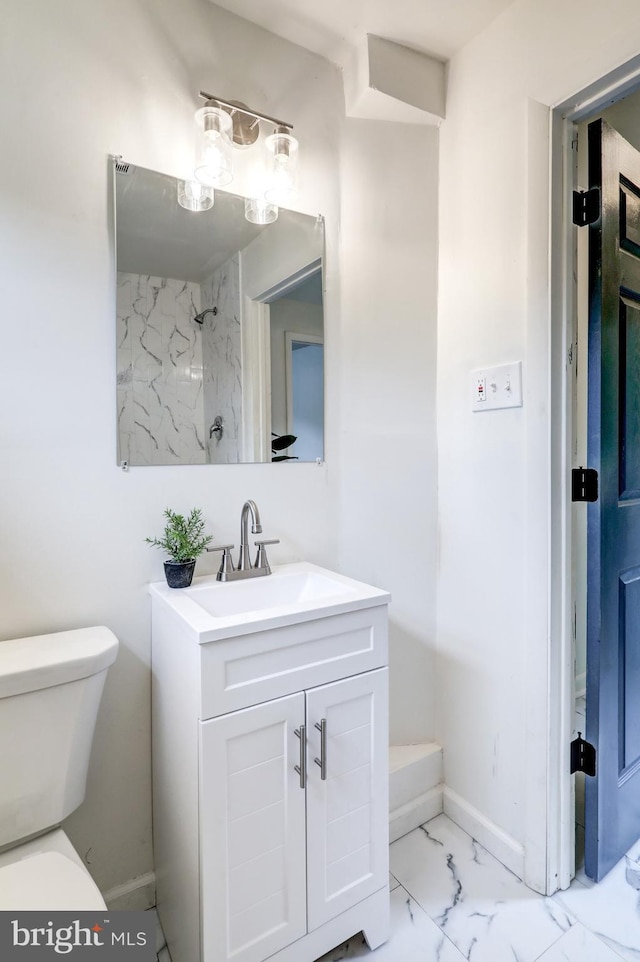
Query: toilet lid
x,y
48,882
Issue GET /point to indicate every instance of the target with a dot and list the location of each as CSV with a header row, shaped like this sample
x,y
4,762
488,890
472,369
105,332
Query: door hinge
x,y
586,206
584,484
583,756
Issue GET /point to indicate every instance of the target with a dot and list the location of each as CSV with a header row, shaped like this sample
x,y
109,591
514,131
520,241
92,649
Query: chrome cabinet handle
x,y
301,769
322,761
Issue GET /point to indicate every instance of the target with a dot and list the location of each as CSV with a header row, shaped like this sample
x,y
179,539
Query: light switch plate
x,y
496,387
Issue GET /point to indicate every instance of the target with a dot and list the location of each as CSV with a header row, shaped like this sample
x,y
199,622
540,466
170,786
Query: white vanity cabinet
x,y
252,832
270,785
284,851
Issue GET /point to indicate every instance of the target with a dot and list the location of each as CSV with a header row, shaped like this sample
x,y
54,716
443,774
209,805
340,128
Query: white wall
x,y
388,526
494,467
81,81
287,247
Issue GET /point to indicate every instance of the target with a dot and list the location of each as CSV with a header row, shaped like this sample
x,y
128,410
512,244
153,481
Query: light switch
x,y
497,387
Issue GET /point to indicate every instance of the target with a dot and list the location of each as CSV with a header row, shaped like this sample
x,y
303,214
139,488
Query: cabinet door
x,y
252,830
347,811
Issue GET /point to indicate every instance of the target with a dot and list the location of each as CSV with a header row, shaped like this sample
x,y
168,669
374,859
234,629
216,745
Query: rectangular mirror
x,y
219,329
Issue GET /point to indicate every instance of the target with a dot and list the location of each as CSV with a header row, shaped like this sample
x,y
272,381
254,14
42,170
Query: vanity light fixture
x,y
283,167
224,124
257,210
192,195
214,158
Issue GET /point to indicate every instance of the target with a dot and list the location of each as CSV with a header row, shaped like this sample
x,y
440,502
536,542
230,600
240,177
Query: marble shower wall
x,y
159,371
222,357
174,377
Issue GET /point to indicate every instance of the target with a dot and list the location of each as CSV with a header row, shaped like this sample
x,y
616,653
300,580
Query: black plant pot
x,y
179,573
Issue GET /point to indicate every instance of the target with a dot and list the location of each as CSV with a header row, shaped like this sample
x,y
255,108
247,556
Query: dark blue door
x,y
612,802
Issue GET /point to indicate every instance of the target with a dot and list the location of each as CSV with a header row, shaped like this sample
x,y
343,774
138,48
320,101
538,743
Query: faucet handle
x,y
261,557
226,565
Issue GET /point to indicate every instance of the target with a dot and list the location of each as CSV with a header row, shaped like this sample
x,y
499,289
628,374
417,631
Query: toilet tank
x,y
50,690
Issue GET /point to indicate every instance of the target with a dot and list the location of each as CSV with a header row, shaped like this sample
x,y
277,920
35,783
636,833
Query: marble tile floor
x,y
451,900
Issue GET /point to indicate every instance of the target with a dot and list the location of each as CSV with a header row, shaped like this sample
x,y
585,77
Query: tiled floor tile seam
x,y
429,916
608,942
555,941
570,953
411,897
571,919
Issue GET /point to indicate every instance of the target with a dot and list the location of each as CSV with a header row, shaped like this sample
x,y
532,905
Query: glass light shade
x,y
282,148
192,195
214,152
259,211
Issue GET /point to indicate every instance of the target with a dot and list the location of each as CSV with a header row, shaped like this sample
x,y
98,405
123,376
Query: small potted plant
x,y
183,541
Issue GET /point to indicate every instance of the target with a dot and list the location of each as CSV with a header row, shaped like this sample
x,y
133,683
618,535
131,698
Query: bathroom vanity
x,y
270,771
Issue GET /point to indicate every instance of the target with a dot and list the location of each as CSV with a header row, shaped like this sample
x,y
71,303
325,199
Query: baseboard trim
x,y
419,810
502,846
136,895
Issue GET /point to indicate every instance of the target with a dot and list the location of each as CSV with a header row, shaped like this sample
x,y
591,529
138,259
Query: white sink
x,y
280,589
291,593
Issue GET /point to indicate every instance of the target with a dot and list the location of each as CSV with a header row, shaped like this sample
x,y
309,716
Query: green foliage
x,y
183,539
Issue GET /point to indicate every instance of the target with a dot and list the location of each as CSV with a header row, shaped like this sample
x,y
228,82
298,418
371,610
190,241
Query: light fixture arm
x,y
234,108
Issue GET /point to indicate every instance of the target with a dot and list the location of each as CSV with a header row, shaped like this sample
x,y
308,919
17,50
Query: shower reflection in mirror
x,y
219,329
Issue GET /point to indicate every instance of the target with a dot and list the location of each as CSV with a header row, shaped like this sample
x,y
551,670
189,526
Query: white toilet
x,y
50,690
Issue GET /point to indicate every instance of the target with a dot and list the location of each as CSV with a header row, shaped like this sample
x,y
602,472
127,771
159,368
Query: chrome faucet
x,y
245,569
249,507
